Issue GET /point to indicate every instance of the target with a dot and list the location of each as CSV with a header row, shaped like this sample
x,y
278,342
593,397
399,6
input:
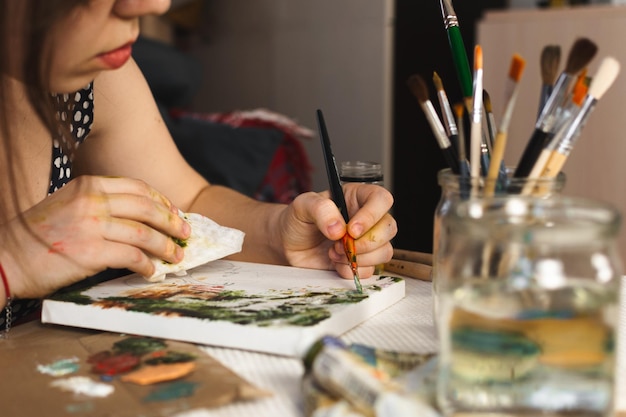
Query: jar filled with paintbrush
x,y
528,304
458,187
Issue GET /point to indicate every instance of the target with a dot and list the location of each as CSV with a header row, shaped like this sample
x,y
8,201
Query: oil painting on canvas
x,y
267,308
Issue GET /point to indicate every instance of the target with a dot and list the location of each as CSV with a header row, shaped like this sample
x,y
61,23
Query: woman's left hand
x,y
312,228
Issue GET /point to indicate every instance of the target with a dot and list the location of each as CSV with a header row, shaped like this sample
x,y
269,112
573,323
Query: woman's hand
x,y
311,229
90,224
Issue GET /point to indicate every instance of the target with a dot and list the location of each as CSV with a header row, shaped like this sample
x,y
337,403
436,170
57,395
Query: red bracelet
x,y
5,282
7,308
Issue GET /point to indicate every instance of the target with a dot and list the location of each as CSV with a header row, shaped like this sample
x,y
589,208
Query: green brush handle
x,y
459,56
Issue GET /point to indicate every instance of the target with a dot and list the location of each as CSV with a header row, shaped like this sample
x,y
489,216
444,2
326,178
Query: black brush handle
x,y
336,192
451,158
531,154
464,179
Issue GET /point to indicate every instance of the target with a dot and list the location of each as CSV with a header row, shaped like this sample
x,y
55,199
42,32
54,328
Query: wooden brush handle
x,y
497,155
409,269
413,256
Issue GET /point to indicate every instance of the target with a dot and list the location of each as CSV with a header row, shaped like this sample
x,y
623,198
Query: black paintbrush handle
x,y
451,158
336,192
454,141
546,90
531,154
464,179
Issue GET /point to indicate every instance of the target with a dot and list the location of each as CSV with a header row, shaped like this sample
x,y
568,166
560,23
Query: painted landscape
x,y
235,298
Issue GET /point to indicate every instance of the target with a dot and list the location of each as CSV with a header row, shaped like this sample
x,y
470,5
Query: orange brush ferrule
x,y
350,249
580,90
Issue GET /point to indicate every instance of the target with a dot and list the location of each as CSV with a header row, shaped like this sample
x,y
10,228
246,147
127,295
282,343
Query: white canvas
x,y
266,308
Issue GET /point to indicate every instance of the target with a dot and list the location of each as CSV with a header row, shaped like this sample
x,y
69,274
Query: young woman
x,y
90,177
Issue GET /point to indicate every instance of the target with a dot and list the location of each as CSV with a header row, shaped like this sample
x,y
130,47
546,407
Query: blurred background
x,y
351,58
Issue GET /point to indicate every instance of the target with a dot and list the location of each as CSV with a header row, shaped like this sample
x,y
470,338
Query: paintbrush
x,y
446,112
497,170
563,142
491,131
581,54
413,256
489,120
550,60
577,96
410,269
459,113
464,169
476,133
573,107
459,54
418,87
410,263
337,196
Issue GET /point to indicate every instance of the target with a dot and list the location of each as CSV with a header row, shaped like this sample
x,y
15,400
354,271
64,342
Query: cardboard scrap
x,y
26,391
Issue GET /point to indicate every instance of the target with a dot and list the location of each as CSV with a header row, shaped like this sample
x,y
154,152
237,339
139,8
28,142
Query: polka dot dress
x,y
79,115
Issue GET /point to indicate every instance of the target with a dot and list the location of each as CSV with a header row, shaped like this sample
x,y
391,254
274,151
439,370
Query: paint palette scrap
x,y
58,370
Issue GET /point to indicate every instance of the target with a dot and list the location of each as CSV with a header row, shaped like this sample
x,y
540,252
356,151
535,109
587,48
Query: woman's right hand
x,y
90,224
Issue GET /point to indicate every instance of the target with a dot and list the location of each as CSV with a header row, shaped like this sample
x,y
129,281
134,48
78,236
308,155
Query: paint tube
x,y
361,381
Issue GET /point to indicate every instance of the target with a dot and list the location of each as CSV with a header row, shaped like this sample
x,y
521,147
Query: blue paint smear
x,y
60,368
172,391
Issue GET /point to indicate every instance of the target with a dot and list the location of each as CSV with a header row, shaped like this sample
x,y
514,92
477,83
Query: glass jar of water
x,y
455,187
528,306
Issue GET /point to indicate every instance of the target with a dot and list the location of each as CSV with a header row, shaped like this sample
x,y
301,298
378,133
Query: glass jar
x,y
366,172
528,303
453,188
361,171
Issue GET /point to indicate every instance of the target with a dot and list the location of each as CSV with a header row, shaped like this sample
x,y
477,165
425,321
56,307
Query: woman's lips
x,y
117,57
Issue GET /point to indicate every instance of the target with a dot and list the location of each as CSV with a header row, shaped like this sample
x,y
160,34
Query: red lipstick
x,y
117,57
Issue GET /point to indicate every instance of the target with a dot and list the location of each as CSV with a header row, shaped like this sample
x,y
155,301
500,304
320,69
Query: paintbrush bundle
x,y
566,102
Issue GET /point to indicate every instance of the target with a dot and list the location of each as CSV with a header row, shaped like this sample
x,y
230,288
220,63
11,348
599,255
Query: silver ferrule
x,y
446,112
448,13
435,124
551,110
477,105
572,130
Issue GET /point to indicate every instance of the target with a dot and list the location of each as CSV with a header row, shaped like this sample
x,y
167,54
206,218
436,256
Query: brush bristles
x,y
604,78
478,57
437,81
581,54
459,110
418,87
517,67
550,60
